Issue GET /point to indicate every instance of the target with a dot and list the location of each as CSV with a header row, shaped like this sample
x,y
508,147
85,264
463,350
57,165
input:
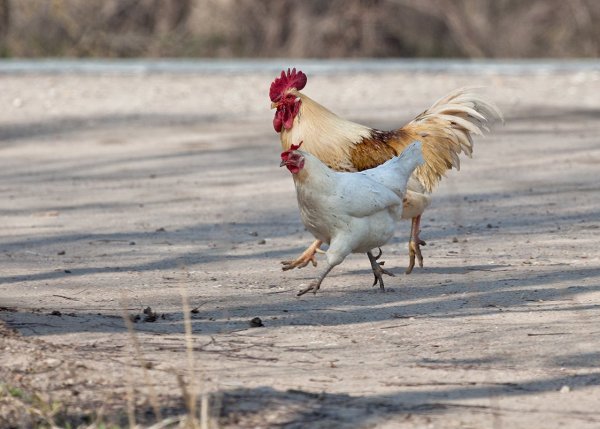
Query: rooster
x,y
445,130
352,212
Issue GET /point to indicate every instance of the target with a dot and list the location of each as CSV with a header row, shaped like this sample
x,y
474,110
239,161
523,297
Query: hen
x,y
445,130
352,212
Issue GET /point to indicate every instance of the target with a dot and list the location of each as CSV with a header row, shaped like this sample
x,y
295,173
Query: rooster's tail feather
x,y
446,130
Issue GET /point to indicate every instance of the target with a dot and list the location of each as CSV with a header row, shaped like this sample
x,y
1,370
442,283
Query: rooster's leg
x,y
316,284
378,271
307,256
414,245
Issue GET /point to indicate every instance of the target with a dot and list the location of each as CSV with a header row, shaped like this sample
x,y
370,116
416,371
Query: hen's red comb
x,y
292,79
285,155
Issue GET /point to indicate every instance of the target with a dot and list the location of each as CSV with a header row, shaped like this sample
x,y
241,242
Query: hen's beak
x,y
282,163
274,105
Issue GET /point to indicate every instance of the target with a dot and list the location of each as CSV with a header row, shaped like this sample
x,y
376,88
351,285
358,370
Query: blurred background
x,y
300,29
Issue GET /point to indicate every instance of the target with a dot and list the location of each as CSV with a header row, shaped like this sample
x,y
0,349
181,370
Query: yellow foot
x,y
302,261
414,249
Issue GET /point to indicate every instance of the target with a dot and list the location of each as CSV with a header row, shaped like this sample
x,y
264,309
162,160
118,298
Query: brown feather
x,y
374,150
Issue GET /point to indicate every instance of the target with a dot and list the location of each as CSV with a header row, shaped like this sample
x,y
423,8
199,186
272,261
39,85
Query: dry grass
x,y
26,406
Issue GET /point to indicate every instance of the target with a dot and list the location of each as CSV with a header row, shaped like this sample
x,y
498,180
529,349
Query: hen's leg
x,y
307,256
316,284
378,271
337,252
414,244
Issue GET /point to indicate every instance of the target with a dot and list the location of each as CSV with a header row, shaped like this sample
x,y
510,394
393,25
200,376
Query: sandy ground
x,y
120,192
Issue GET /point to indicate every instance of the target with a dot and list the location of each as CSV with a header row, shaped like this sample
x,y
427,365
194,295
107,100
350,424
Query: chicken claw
x,y
414,245
414,249
309,255
378,271
314,286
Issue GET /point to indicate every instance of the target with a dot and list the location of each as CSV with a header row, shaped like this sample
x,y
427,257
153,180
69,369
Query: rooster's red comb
x,y
291,79
286,154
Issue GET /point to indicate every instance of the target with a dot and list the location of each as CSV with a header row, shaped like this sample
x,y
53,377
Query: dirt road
x,y
122,191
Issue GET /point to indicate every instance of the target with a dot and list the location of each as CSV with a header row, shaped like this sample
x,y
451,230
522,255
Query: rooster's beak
x,y
282,163
274,105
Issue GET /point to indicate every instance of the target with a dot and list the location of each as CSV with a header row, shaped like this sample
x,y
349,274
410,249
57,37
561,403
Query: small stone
x,y
454,239
263,241
565,389
256,323
62,252
489,225
150,316
56,313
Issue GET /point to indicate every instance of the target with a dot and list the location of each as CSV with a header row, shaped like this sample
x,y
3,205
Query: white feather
x,y
356,212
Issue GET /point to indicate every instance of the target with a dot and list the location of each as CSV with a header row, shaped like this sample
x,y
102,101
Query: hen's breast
x,y
317,215
316,223
319,212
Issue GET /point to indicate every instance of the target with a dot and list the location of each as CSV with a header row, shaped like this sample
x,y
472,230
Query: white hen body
x,y
354,212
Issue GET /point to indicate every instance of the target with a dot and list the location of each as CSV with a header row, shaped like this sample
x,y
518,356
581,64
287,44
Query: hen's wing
x,y
359,196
